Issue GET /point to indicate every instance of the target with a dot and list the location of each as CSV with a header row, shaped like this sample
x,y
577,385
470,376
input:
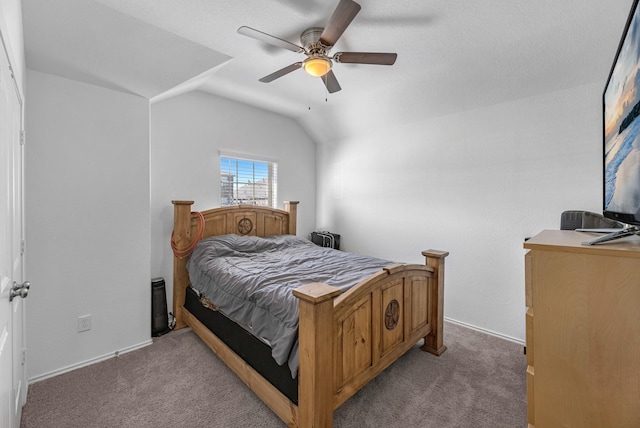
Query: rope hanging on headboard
x,y
186,251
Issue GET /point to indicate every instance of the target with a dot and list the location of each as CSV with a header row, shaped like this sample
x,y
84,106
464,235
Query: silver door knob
x,y
24,285
19,290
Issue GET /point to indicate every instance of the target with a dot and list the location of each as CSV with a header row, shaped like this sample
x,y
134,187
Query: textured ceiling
x,y
453,55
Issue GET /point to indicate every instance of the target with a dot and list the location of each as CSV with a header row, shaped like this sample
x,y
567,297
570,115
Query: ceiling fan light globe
x,y
317,67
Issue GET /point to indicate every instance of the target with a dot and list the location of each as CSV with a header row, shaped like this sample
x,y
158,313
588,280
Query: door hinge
x,y
24,357
22,137
22,247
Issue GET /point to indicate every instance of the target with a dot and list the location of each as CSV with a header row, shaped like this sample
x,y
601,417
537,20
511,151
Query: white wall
x,y
187,133
475,184
87,214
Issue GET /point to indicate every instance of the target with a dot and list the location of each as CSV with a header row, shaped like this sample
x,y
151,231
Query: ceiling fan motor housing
x,y
311,37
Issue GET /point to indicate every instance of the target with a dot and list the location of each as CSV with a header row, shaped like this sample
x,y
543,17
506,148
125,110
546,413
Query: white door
x,y
12,341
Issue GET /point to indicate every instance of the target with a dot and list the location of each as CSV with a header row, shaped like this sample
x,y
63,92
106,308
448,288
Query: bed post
x,y
182,238
292,208
315,373
433,342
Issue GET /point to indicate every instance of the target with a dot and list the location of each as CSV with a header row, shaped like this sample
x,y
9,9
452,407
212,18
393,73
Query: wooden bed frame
x,y
354,335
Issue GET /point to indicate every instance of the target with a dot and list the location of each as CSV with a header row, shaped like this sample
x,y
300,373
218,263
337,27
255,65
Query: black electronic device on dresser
x,y
572,220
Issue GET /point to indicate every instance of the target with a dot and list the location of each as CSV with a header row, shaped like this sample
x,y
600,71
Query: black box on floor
x,y
159,316
326,239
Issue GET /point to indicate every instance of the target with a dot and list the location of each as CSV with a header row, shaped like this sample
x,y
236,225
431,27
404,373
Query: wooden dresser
x,y
583,331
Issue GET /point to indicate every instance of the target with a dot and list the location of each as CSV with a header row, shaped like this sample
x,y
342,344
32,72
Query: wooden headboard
x,y
239,219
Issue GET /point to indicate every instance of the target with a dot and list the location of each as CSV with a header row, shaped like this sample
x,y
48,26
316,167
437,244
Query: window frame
x,y
231,185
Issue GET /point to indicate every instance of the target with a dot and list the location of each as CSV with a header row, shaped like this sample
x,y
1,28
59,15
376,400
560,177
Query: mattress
x,y
251,279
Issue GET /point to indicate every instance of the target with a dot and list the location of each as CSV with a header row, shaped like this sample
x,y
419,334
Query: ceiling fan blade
x,y
339,21
268,38
365,58
288,69
331,82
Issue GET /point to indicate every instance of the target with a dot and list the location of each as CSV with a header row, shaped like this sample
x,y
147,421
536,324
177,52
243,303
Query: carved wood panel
x,y
273,225
354,342
393,306
244,223
419,288
215,225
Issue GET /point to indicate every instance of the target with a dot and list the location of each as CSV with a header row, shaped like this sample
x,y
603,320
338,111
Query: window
x,y
248,181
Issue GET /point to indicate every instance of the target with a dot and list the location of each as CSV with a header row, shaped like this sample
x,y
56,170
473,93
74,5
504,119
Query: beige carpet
x,y
179,382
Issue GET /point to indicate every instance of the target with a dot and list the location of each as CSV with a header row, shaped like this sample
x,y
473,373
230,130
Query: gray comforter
x,y
251,279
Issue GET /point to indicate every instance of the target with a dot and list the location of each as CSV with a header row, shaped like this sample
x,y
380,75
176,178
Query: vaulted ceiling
x,y
453,55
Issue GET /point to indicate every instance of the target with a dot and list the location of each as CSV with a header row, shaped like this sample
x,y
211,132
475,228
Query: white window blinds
x,y
248,181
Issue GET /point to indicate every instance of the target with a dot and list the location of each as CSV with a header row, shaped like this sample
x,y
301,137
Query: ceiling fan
x,y
316,44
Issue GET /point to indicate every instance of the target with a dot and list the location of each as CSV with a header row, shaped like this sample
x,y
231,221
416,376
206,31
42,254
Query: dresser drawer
x,y
529,333
530,395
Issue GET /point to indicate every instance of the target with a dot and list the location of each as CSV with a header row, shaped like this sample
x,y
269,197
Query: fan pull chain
x,y
309,91
326,95
310,83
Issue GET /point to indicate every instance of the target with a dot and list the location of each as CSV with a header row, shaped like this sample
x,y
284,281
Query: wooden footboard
x,y
345,340
373,324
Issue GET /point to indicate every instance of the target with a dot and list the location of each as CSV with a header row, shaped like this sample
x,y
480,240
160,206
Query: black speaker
x,y
159,316
571,220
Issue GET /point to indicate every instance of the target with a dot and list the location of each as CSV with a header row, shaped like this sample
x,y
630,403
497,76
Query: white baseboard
x,y
149,342
88,362
483,330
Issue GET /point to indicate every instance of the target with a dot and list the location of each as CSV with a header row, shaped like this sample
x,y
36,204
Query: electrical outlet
x,y
84,323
